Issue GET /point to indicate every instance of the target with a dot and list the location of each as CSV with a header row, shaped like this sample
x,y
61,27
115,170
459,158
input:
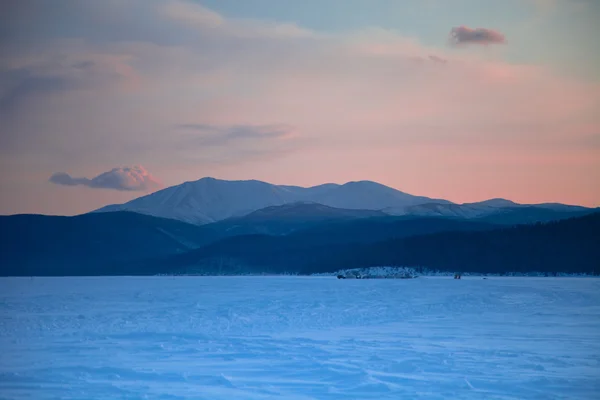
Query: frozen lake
x,y
299,338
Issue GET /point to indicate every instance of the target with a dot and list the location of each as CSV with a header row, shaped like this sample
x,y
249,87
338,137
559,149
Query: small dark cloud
x,y
437,59
212,135
463,35
62,178
126,178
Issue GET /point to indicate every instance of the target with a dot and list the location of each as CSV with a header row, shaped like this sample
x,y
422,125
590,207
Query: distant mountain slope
x,y
288,218
536,213
48,245
300,249
493,203
571,245
368,195
369,230
307,211
210,200
499,211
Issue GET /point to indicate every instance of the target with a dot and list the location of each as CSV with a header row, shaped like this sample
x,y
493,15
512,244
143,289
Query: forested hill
x,y
90,244
134,244
571,245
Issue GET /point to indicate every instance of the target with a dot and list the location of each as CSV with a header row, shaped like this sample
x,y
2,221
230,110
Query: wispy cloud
x,y
125,178
47,74
193,14
202,18
437,59
463,35
212,135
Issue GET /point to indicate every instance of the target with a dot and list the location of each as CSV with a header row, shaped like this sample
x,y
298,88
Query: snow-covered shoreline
x,y
410,272
389,272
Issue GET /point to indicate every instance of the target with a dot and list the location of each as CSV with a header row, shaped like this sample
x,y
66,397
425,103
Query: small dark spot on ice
x,y
81,316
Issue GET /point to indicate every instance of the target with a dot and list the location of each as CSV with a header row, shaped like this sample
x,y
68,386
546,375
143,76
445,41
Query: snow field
x,y
299,338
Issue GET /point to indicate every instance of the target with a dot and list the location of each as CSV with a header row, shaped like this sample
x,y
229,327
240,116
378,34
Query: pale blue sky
x,y
561,33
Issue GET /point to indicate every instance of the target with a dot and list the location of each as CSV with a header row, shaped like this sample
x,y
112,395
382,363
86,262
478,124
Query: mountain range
x,y
210,200
213,226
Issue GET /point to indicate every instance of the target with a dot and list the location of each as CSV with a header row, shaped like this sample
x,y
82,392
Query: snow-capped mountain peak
x,y
208,199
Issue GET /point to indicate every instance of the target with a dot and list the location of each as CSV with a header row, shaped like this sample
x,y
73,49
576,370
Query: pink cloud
x,y
135,178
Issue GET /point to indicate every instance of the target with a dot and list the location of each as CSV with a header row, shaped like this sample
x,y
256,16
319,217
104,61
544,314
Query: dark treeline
x,y
125,243
571,246
326,244
90,244
133,244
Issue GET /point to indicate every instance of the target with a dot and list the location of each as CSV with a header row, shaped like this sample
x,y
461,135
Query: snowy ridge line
x,y
387,273
209,200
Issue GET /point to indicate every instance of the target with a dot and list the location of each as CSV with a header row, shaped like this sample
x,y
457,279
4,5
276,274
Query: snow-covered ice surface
x,y
299,338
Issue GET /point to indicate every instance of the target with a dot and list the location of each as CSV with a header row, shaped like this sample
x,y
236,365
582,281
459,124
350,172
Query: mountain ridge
x,y
287,218
208,200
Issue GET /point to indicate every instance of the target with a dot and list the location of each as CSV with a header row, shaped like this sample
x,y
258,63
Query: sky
x,y
105,101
